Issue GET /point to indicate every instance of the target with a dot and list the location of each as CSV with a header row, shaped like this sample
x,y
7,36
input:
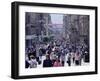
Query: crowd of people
x,y
56,54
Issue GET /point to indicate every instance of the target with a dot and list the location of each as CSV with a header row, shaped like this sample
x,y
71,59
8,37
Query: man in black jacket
x,y
47,62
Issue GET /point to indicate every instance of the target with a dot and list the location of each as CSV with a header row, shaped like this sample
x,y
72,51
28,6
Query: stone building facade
x,y
36,26
76,28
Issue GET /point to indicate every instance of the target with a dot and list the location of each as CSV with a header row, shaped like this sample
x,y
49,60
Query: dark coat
x,y
26,64
47,63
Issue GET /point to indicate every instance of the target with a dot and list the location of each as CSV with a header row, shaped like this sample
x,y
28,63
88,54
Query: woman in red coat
x,y
57,63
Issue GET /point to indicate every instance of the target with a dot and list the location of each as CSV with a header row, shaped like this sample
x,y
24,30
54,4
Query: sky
x,y
57,18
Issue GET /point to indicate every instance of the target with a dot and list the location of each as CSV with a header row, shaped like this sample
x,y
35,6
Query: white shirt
x,y
33,63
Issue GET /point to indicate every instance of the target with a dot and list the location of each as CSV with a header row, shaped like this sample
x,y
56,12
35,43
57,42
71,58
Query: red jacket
x,y
57,64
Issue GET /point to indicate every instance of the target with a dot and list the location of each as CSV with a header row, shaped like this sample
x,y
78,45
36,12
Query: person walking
x,y
63,57
69,59
32,62
47,62
53,57
77,58
57,63
73,56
